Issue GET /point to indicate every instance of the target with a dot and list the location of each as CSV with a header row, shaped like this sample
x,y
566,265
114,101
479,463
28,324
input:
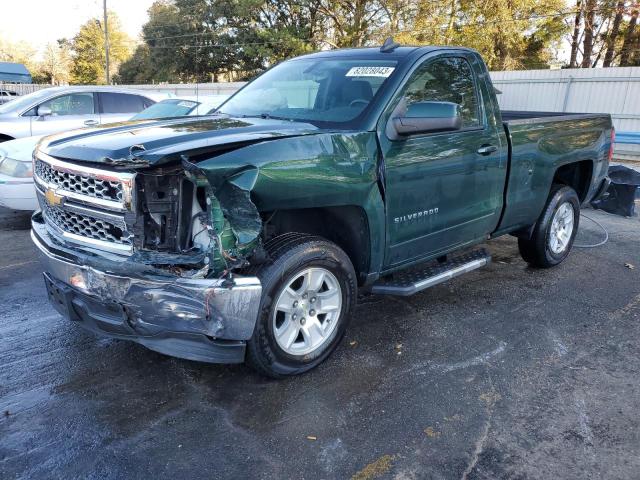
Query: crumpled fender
x,y
311,171
233,221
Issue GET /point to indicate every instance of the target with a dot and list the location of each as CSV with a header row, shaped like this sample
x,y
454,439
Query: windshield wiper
x,y
264,115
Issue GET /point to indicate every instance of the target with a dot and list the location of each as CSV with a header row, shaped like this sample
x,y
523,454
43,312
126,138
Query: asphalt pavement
x,y
508,372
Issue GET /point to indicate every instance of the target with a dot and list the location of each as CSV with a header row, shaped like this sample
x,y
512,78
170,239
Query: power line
x,y
218,45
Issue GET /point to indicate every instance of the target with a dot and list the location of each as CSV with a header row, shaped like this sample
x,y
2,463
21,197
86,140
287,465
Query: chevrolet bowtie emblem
x,y
52,197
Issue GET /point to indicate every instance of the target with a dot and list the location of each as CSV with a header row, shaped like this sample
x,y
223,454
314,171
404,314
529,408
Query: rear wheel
x,y
555,231
308,295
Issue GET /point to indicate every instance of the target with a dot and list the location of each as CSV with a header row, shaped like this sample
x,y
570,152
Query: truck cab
x,y
445,183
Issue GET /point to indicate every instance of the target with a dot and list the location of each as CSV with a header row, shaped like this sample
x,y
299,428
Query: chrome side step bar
x,y
414,280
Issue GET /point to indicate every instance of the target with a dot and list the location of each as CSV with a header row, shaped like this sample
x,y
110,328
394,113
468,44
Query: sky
x,y
43,21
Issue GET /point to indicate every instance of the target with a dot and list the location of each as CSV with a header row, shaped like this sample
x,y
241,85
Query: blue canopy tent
x,y
14,73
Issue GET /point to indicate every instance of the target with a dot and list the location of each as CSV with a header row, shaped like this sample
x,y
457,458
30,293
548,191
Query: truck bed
x,y
539,144
519,116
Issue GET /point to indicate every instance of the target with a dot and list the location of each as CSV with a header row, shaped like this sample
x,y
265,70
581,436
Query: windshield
x,y
24,101
166,109
318,91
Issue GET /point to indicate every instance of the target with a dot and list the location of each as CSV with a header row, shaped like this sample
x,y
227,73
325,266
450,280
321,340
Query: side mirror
x,y
425,117
44,111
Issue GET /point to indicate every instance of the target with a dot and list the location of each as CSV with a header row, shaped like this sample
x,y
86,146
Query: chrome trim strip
x,y
56,231
117,220
91,242
124,178
108,204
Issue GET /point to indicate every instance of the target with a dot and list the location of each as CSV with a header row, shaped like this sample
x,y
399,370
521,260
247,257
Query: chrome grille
x,y
85,205
85,226
80,184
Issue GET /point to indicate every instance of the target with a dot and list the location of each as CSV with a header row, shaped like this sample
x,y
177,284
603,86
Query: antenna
x,y
389,45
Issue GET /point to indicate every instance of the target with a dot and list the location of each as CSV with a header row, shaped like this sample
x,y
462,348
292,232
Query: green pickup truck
x,y
248,235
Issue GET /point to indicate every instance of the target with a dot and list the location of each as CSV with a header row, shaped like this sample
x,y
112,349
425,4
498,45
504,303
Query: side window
x,y
121,102
447,80
72,104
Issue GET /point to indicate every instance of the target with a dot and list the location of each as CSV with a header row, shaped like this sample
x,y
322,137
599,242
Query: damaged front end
x,y
225,223
151,254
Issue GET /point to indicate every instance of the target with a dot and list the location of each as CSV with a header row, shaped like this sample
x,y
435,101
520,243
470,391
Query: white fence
x,y
597,90
191,89
188,89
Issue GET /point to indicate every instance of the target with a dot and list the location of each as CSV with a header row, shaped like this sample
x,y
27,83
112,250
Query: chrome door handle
x,y
487,149
91,122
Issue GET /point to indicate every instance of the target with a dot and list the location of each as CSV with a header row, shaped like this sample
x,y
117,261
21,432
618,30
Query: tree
x,y
515,34
351,23
613,35
196,40
606,29
88,47
199,40
56,63
573,60
21,52
630,41
589,29
138,69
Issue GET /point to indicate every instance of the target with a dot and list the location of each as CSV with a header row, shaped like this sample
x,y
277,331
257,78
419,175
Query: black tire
x,y
537,250
289,254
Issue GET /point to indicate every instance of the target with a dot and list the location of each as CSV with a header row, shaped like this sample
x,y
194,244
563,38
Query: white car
x,y
16,183
7,95
183,106
59,109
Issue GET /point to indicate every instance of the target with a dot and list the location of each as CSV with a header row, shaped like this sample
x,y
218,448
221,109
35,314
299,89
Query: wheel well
x,y
346,226
5,138
577,176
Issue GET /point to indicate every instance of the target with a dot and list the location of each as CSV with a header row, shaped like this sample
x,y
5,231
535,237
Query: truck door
x,y
444,189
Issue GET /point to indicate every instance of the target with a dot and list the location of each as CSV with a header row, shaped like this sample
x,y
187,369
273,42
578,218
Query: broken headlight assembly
x,y
178,212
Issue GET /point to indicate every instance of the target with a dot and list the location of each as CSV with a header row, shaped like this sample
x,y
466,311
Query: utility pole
x,y
106,42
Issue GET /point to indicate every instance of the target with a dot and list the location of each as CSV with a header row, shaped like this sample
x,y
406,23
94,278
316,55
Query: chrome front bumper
x,y
182,317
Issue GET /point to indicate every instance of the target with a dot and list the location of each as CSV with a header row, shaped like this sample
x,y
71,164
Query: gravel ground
x,y
507,372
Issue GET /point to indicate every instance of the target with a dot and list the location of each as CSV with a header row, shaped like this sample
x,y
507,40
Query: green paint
x,y
422,196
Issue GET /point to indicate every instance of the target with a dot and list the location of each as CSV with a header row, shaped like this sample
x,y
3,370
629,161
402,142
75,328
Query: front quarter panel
x,y
312,171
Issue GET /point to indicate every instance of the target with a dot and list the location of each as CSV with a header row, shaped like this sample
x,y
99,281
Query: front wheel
x,y
555,231
308,295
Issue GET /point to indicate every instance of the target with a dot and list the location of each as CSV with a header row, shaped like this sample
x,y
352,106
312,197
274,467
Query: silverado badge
x,y
52,197
416,215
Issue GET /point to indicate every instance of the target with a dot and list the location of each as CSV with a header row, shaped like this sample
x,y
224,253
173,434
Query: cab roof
x,y
374,53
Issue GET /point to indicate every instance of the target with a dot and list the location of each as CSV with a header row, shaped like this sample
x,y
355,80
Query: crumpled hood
x,y
139,144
